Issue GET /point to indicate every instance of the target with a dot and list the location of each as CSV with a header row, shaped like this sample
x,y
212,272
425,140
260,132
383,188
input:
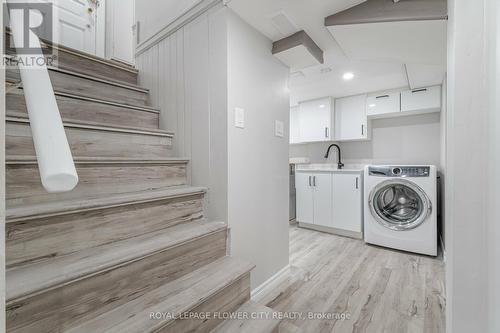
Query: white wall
x,y
197,75
187,75
402,140
493,228
472,157
154,15
258,161
442,169
2,186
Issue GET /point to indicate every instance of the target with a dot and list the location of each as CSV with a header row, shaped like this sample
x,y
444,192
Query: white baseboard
x,y
269,288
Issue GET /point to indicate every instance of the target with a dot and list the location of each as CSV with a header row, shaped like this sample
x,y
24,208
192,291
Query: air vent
x,y
297,74
284,24
325,70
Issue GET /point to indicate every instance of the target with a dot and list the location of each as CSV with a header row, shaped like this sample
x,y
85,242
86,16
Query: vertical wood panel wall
x,y
186,73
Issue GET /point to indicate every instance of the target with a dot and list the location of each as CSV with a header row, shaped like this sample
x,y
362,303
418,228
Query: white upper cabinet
x,y
383,104
423,100
351,122
315,120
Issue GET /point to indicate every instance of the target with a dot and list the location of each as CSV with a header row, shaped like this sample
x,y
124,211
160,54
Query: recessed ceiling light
x,y
348,76
322,106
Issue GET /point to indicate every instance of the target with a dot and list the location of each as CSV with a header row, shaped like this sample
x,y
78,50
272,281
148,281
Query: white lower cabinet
x,y
322,196
314,198
347,202
330,199
304,197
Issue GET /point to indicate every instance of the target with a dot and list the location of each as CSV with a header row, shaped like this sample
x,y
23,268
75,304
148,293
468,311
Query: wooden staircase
x,y
128,250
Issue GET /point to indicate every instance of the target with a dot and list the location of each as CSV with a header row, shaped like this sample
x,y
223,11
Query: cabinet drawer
x,y
421,100
383,104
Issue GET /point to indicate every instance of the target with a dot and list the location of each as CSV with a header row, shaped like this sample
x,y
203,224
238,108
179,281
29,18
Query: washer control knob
x,y
396,171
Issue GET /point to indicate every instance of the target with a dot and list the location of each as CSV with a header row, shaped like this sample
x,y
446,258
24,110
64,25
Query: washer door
x,y
399,204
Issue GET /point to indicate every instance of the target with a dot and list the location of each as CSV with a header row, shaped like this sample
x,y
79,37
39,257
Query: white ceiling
x,y
370,74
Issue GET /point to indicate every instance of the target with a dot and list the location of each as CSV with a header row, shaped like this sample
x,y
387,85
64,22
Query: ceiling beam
x,y
375,11
297,39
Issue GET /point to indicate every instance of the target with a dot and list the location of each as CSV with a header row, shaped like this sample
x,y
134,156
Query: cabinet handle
x,y
357,183
314,181
363,130
309,180
383,96
418,90
326,132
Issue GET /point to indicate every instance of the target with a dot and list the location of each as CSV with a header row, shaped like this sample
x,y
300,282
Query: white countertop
x,y
299,160
327,167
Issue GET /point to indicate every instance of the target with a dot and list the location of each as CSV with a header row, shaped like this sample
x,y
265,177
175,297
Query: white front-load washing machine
x,y
401,207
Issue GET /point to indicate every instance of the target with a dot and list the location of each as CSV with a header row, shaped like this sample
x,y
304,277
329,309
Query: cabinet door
x,y
350,118
383,104
315,119
421,100
322,183
304,197
347,202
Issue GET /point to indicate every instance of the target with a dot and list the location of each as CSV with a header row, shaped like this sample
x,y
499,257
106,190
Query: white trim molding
x,y
190,15
270,288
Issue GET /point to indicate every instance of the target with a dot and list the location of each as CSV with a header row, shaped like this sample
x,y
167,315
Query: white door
x,y
76,24
315,119
322,184
350,118
347,202
122,15
304,197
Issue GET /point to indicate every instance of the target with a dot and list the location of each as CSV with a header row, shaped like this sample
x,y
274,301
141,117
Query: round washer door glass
x,y
399,204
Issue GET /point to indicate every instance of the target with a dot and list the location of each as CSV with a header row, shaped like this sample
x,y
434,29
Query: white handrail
x,y
55,162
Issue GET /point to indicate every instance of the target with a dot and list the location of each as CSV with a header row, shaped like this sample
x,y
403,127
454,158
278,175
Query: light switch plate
x,y
239,117
279,128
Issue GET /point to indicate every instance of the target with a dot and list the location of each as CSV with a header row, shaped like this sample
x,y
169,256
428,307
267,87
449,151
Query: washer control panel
x,y
399,171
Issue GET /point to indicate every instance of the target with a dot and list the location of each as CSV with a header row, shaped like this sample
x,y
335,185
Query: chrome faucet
x,y
340,164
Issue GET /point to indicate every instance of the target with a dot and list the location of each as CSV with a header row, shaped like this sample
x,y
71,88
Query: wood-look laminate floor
x,y
377,289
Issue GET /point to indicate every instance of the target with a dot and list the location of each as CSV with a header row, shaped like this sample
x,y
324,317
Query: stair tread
x,y
31,279
99,78
287,327
18,159
174,299
146,108
85,204
251,318
20,118
69,121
